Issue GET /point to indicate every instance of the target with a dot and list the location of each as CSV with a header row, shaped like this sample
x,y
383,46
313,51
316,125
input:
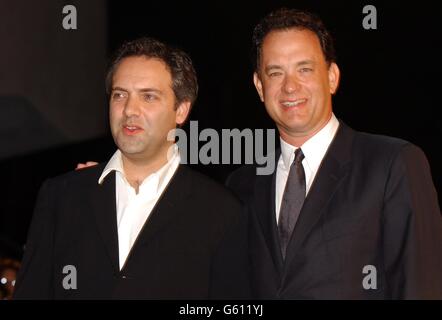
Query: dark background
x,y
390,80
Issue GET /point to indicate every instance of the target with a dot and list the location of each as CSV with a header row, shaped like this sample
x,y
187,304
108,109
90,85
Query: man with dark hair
x,y
184,81
142,225
346,215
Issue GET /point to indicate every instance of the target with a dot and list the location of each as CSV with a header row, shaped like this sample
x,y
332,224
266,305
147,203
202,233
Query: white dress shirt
x,y
313,149
133,209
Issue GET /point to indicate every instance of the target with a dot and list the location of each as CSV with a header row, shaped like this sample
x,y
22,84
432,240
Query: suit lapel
x,y
104,207
331,172
167,206
264,208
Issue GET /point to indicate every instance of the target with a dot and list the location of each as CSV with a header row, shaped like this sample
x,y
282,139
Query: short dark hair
x,y
184,79
285,19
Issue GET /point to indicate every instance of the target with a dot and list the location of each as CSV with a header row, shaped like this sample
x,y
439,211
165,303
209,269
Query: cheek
x,y
114,109
113,115
158,118
271,89
315,87
323,84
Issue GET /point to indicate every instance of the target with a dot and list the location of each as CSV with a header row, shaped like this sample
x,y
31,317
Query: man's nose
x,y
291,84
132,107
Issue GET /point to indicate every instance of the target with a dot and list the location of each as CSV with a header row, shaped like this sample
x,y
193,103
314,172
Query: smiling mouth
x,y
293,103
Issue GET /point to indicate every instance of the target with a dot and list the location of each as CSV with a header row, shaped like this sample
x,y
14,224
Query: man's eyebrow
x,y
119,89
305,62
149,90
272,67
298,64
142,90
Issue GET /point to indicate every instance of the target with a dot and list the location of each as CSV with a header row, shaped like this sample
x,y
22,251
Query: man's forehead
x,y
141,69
141,65
291,33
298,46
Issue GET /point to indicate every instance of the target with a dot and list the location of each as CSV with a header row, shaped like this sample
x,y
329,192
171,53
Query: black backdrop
x,y
390,80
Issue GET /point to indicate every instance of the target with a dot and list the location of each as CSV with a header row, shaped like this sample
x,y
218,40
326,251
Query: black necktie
x,y
292,201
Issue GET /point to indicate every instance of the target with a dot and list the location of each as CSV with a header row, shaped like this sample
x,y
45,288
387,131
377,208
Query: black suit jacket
x,y
372,203
193,245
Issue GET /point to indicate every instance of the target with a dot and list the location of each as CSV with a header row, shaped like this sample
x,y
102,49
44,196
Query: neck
x,y
297,139
137,169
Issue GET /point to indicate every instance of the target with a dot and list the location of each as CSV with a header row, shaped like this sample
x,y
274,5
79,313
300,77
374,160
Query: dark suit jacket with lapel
x,y
372,203
193,245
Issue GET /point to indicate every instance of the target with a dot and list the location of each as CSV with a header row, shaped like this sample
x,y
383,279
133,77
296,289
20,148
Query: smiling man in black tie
x,y
346,215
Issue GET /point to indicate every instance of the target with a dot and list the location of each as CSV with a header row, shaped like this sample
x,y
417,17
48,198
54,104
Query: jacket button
x,y
123,277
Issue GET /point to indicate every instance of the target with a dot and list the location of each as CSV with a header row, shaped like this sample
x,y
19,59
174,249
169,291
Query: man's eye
x,y
275,74
117,95
149,97
306,70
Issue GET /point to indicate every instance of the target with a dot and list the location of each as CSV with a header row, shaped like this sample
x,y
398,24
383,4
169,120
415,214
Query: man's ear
x,y
258,85
333,77
182,112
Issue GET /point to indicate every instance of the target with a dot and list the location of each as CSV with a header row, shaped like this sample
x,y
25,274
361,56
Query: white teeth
x,y
131,128
293,103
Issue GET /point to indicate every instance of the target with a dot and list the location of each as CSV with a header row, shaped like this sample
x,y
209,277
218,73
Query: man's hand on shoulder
x,y
86,165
